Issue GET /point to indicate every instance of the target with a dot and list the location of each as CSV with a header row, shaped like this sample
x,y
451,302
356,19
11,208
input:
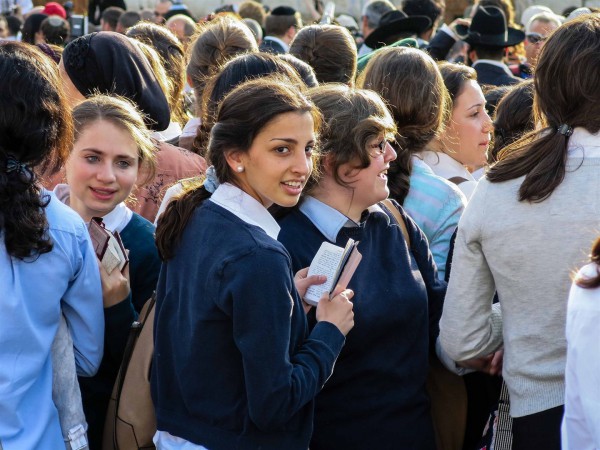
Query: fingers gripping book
x,y
337,264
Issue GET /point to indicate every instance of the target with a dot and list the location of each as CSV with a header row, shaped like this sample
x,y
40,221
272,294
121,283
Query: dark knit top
x,y
376,397
138,238
235,366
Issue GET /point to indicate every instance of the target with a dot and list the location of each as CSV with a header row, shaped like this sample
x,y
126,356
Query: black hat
x,y
488,28
110,63
283,11
394,22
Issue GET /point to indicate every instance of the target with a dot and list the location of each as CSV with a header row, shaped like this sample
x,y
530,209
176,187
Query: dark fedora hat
x,y
488,28
395,22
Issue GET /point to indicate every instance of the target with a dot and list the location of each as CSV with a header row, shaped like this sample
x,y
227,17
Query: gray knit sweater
x,y
527,252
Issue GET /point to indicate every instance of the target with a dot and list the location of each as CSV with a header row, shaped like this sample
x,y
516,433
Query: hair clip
x,y
13,165
565,130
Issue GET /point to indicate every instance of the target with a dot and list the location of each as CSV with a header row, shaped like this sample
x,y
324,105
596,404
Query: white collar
x,y
172,131
493,63
246,207
279,41
116,220
329,221
581,139
191,127
445,166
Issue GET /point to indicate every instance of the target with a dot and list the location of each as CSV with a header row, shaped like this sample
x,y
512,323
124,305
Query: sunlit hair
x,y
566,92
216,42
412,86
352,117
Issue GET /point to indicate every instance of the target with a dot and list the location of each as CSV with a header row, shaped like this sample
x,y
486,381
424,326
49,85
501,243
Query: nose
x,y
105,173
390,154
488,124
302,164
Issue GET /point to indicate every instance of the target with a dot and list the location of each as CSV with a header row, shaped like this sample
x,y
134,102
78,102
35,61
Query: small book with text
x,y
337,264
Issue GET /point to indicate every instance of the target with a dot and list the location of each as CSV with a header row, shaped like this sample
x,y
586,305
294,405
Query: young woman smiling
x,y
376,396
235,365
467,135
111,146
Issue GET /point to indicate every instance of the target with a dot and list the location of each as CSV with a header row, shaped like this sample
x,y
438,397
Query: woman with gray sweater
x,y
528,225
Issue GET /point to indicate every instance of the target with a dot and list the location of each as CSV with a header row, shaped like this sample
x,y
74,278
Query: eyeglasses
x,y
536,38
379,149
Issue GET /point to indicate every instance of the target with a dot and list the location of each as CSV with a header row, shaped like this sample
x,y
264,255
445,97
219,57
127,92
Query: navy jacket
x,y
235,366
491,75
376,397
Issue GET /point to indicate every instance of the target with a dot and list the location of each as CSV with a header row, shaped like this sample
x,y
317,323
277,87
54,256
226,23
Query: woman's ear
x,y
235,160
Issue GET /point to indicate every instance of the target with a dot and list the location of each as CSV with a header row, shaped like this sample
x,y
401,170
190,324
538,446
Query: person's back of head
x,y
55,30
127,20
486,52
281,19
566,97
31,26
513,117
236,71
172,57
434,9
14,25
330,50
36,130
216,42
110,18
372,13
183,27
305,71
250,9
412,86
255,28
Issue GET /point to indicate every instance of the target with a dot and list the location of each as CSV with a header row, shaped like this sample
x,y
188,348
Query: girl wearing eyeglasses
x,y
376,396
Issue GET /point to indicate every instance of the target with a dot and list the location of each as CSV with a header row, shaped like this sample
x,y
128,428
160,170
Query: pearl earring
x,y
240,169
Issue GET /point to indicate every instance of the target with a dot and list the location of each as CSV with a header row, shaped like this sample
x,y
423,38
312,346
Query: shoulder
x,y
62,218
431,185
168,152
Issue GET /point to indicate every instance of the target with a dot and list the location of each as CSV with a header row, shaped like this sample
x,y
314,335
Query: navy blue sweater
x,y
376,397
138,238
234,365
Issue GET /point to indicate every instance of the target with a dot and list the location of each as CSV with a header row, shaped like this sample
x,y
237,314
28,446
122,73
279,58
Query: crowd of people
x,y
218,154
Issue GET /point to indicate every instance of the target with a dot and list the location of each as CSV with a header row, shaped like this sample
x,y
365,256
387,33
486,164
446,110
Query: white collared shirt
x,y
447,167
279,41
171,132
246,207
329,221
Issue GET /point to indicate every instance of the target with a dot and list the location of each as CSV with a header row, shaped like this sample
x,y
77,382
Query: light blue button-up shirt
x,y
31,297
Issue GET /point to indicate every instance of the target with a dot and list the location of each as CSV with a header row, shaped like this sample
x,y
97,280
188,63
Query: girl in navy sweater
x,y
376,397
111,146
235,365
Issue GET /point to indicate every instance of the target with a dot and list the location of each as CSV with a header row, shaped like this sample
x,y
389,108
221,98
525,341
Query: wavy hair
x,y
35,128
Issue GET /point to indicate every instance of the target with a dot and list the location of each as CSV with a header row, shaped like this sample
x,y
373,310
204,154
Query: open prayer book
x,y
108,246
337,264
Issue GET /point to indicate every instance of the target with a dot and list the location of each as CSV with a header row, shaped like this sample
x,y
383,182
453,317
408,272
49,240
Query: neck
x,y
339,198
80,209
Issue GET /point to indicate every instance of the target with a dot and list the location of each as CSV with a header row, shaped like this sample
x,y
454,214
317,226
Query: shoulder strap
x,y
457,180
387,203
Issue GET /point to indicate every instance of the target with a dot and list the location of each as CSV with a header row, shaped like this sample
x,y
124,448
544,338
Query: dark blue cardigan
x,y
138,238
376,397
235,366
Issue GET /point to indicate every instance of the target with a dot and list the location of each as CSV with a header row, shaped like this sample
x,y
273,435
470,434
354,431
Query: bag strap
x,y
134,333
387,203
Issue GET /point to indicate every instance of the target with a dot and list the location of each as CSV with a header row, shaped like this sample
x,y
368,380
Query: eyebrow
x,y
477,105
290,140
98,152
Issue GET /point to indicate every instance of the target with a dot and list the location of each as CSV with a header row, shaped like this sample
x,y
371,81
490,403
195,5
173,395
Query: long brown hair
x,y
567,92
35,130
412,85
242,114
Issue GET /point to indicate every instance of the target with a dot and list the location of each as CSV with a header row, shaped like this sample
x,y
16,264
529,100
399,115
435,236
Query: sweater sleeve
x,y
470,327
280,377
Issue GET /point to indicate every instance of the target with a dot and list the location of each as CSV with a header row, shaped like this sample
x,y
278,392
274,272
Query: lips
x,y
103,194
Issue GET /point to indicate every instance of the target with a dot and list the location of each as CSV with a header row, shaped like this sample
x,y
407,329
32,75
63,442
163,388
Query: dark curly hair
x,y
35,128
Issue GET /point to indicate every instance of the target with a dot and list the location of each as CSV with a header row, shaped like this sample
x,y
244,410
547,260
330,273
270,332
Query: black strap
x,y
457,180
